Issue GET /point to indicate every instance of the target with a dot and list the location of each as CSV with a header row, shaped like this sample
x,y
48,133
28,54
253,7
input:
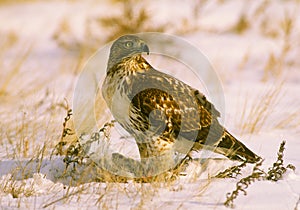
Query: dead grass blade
x,y
260,110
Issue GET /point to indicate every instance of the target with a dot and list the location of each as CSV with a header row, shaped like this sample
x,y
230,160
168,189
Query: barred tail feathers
x,y
232,148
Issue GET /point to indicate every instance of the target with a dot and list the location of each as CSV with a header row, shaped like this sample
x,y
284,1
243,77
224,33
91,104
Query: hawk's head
x,y
126,46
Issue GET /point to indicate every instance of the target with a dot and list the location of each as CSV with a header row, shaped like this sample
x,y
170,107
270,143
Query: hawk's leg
x,y
128,164
147,167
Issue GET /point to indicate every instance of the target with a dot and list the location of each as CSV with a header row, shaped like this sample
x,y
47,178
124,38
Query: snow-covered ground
x,y
254,47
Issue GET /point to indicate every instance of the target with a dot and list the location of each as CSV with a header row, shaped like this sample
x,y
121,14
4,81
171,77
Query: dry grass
x,y
16,184
134,18
290,121
242,24
255,115
17,189
29,111
187,25
8,42
80,50
280,31
26,131
277,63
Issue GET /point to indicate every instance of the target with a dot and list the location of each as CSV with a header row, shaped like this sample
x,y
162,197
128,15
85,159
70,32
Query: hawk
x,y
161,112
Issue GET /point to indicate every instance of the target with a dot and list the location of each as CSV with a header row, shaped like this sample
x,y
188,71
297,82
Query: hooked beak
x,y
145,48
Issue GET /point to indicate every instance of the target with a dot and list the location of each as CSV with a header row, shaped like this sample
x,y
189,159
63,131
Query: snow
x,y
31,109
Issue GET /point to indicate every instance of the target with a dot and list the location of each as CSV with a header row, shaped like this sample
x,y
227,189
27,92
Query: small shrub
x,y
231,172
243,184
274,173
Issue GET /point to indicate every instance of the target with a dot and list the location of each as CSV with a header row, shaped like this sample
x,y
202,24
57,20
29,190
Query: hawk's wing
x,y
170,107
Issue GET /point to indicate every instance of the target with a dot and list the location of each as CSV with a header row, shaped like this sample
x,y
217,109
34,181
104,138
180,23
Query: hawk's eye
x,y
128,44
